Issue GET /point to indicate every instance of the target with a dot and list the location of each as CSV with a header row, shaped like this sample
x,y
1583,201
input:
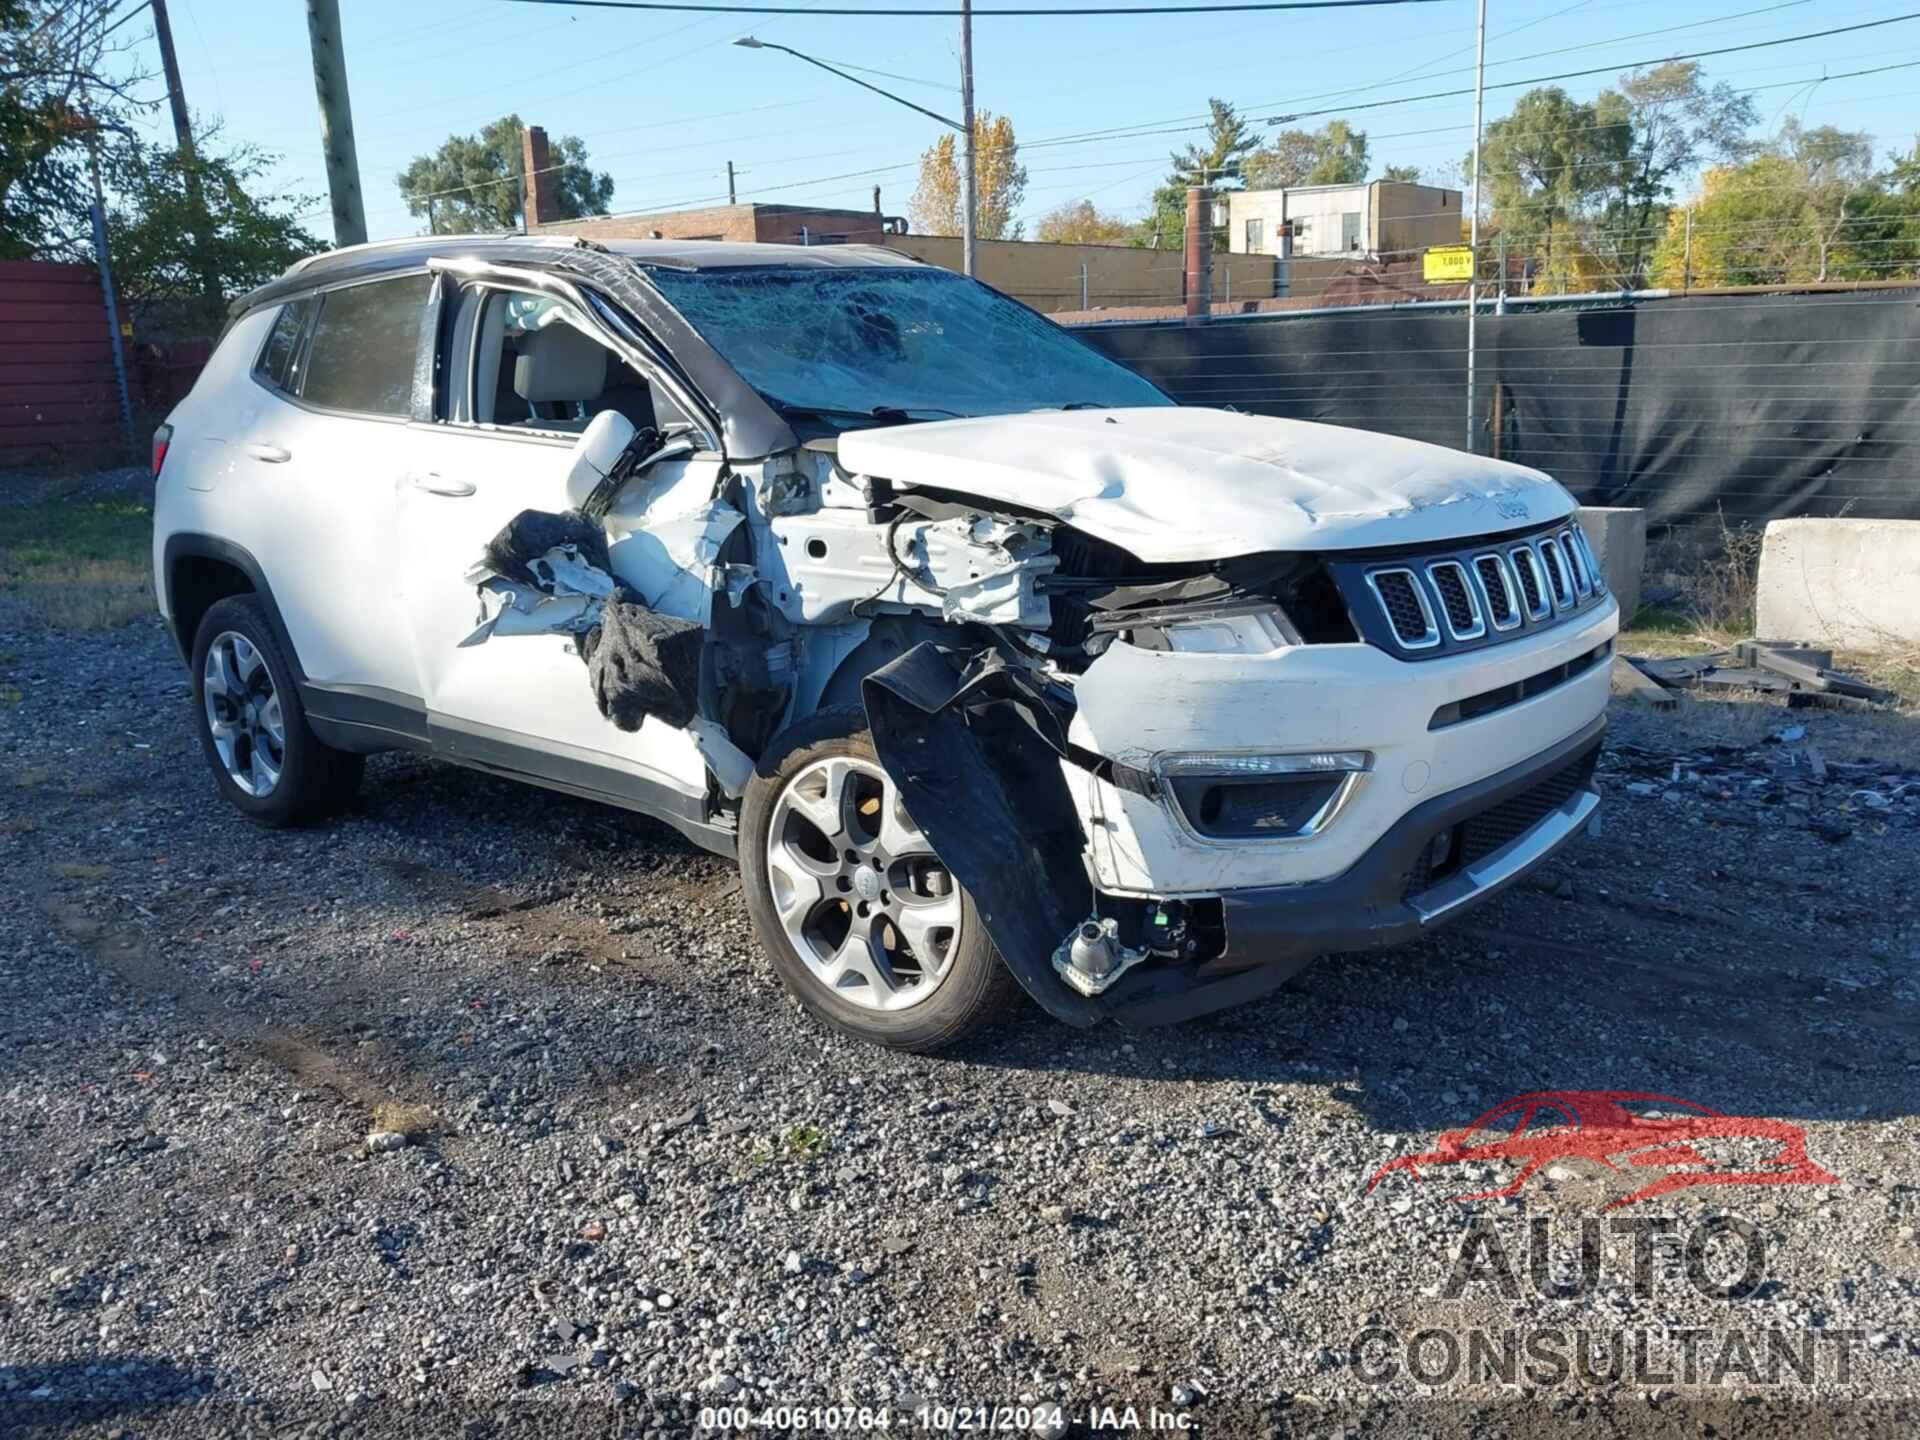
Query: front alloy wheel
x,y
862,897
864,923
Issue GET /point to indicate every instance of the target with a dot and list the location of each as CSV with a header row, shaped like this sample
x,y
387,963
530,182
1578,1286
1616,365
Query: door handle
x,y
435,484
271,454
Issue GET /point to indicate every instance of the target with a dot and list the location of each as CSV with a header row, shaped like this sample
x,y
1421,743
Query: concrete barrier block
x,y
1618,536
1851,584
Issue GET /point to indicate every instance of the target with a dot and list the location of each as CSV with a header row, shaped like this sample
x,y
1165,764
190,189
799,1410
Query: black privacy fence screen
x,y
1707,410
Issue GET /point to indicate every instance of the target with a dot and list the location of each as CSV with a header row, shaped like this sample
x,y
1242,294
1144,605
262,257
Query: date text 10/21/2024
x,y
1037,1419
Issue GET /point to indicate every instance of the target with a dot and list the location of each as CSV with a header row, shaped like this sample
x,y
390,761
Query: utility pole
x,y
201,223
732,199
1473,225
970,202
176,93
336,122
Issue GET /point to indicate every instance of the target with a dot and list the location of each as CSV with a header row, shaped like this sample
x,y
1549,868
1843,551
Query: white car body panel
x,y
326,512
1308,698
525,687
1197,484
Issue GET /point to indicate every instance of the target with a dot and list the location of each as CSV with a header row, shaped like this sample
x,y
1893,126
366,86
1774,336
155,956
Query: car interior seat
x,y
557,371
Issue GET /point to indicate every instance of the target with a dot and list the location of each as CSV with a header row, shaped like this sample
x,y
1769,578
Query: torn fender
x,y
975,746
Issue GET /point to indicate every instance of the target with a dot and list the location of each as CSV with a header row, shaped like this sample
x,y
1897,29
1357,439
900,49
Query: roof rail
x,y
307,262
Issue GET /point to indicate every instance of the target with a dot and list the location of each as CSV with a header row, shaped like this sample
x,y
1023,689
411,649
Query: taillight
x,y
162,437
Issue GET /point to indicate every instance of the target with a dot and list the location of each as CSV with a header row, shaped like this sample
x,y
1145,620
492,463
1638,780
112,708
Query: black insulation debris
x,y
643,663
532,533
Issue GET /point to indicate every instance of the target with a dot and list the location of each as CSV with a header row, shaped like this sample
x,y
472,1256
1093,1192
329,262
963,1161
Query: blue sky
x,y
665,100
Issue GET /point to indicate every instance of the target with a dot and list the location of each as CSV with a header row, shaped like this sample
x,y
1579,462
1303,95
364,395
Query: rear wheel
x,y
865,924
266,760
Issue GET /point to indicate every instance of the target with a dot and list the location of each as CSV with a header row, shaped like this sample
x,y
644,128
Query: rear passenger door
x,y
323,463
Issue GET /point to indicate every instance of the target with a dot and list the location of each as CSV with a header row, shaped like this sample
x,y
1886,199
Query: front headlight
x,y
1226,795
1250,630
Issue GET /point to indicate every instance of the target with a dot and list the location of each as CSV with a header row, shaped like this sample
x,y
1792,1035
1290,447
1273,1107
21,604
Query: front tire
x,y
866,927
266,760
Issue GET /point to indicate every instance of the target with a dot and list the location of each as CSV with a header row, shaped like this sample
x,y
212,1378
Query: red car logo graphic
x,y
1609,1128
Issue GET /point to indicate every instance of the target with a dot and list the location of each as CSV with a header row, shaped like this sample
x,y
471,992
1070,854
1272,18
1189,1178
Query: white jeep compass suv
x,y
990,664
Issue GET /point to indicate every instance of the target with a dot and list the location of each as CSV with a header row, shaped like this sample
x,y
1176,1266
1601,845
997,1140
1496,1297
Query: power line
x,y
1183,124
1567,49
1604,69
1101,10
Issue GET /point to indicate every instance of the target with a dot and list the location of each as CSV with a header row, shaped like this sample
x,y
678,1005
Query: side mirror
x,y
596,454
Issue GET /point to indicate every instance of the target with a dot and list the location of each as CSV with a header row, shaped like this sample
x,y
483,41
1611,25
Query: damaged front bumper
x,y
1060,811
1391,895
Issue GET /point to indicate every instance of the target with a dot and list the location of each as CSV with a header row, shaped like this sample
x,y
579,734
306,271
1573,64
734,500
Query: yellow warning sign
x,y
1447,262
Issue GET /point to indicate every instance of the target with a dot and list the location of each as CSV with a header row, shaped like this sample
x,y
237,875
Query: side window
x,y
361,356
280,359
533,369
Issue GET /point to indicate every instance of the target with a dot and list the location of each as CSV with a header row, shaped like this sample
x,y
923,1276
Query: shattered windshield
x,y
851,344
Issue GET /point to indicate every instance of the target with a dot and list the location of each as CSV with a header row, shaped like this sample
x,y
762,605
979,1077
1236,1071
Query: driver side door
x,y
510,417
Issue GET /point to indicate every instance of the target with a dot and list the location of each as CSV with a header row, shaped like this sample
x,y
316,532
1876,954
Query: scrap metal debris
x,y
1782,781
1801,674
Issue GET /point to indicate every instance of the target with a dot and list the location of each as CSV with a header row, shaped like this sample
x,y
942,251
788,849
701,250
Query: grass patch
x,y
76,564
1896,670
801,1142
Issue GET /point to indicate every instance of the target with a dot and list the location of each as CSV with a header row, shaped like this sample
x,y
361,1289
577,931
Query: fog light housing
x,y
1225,795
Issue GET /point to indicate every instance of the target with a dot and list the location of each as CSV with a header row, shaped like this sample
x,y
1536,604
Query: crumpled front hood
x,y
1175,484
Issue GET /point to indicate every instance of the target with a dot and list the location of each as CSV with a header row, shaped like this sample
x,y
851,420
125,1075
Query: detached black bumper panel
x,y
1498,829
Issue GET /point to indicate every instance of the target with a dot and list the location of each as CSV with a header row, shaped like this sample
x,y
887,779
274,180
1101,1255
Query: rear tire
x,y
267,762
864,924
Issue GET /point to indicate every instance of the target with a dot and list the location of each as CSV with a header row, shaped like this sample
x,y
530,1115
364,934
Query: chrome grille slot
x,y
1590,560
1458,602
1576,564
1498,590
1400,594
1560,583
1533,581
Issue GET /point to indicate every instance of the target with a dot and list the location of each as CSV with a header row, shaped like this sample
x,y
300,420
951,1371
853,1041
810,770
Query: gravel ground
x,y
629,1179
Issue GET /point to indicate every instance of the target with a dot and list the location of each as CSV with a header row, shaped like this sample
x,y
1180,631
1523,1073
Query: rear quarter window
x,y
365,340
279,360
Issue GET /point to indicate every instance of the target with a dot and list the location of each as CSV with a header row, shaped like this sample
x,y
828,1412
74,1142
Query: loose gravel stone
x,y
204,1025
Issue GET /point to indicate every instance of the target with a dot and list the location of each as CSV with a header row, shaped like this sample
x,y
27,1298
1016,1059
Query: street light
x,y
964,125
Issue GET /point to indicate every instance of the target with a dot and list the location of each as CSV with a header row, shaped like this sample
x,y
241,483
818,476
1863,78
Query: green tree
x,y
1081,222
999,180
248,238
1675,123
1405,174
56,96
1806,208
1335,154
1545,165
1216,162
476,183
